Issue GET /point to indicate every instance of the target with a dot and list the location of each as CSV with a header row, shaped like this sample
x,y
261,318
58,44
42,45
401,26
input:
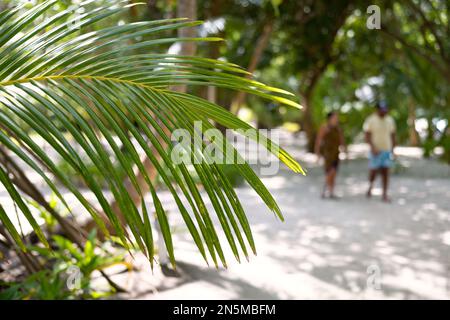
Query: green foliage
x,y
96,174
330,41
43,285
69,275
233,175
100,95
49,220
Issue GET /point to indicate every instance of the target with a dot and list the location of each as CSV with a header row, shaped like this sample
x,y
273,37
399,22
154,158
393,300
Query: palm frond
x,y
104,86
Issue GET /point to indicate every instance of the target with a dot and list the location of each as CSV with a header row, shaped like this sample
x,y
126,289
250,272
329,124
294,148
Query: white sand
x,y
326,249
333,249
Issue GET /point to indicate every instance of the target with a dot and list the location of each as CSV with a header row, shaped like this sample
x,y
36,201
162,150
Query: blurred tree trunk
x,y
429,142
20,179
28,260
413,135
133,11
310,77
261,45
307,123
214,47
445,142
185,9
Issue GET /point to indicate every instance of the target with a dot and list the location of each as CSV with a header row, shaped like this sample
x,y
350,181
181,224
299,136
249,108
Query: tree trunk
x,y
20,179
27,259
261,45
185,9
133,11
414,140
429,142
307,122
214,53
214,47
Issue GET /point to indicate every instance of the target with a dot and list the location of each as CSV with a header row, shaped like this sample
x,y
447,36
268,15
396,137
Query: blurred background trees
x,y
324,51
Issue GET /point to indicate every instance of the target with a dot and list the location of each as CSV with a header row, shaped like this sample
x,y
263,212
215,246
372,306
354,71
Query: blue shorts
x,y
381,160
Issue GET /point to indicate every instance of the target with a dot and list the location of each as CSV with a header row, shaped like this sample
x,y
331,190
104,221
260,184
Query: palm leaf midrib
x,y
79,77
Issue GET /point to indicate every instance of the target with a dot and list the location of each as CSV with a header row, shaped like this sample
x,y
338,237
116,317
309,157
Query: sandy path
x,y
334,249
326,249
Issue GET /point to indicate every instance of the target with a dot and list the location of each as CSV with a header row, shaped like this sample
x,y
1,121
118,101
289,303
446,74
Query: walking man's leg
x,y
331,181
372,176
385,181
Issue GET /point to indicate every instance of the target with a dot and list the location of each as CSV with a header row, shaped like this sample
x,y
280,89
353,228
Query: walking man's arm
x,y
318,143
369,141
394,141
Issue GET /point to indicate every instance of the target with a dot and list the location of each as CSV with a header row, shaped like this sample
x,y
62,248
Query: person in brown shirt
x,y
329,139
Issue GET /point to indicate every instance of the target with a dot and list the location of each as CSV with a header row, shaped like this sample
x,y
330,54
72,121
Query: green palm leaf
x,y
110,95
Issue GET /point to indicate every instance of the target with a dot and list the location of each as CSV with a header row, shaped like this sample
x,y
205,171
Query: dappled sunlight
x,y
325,247
224,150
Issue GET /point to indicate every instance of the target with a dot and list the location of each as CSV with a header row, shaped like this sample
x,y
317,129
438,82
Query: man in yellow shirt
x,y
379,130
